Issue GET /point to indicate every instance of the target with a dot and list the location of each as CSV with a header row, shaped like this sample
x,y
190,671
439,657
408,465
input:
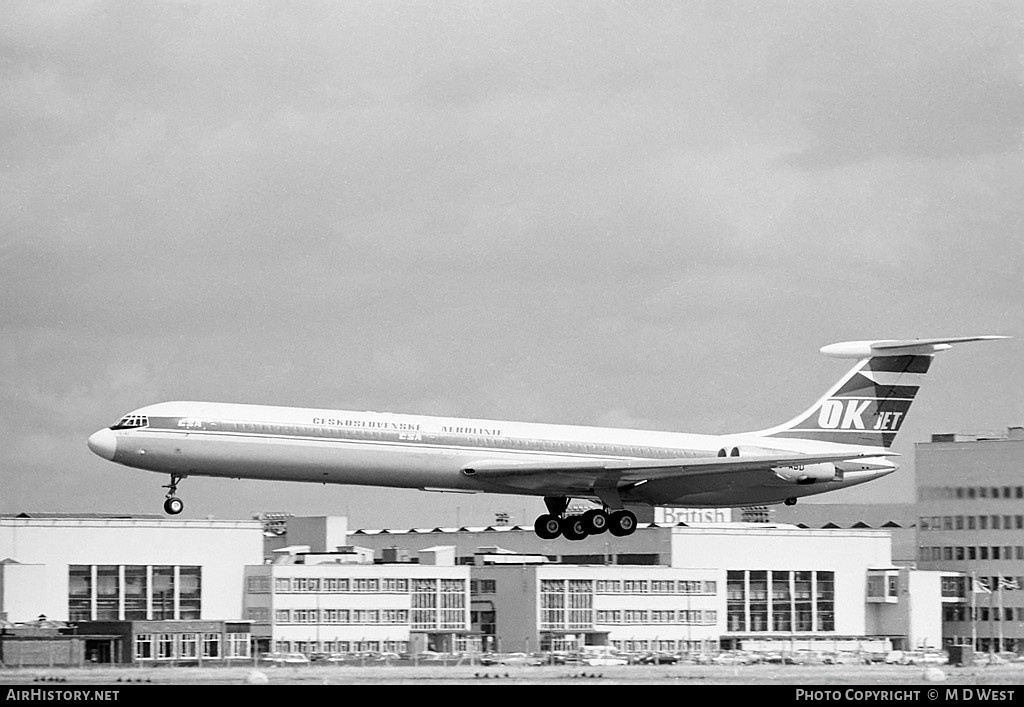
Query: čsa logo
x,y
835,415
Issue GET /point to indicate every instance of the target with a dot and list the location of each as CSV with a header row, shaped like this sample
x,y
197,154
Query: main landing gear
x,y
172,504
576,527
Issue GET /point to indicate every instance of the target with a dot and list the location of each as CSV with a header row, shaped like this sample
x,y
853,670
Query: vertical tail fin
x,y
868,405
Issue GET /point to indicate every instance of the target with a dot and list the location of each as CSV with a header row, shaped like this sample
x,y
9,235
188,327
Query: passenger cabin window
x,y
131,421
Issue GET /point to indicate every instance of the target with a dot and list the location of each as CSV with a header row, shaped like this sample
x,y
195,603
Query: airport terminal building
x,y
105,588
341,601
698,588
168,590
947,571
970,506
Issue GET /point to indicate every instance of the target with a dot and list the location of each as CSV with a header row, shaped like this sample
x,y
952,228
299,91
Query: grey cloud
x,y
914,81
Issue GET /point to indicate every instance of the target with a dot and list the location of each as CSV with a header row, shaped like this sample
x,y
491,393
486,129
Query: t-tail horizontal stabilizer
x,y
892,347
869,404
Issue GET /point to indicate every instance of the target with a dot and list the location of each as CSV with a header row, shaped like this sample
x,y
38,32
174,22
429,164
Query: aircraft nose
x,y
103,443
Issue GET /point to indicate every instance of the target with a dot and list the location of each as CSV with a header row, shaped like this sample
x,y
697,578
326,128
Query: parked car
x,y
427,656
917,658
436,657
659,658
282,659
605,660
373,657
602,655
520,659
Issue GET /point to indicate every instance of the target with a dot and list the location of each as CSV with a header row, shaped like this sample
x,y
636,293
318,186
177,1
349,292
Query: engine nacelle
x,y
807,473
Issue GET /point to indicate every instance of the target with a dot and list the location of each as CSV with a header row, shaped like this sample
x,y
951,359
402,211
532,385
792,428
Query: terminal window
x,y
801,601
134,592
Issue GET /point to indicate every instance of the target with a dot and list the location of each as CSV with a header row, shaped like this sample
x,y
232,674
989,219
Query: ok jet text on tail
x,y
842,440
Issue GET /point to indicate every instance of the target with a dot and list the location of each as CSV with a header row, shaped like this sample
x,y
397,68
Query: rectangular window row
x,y
328,585
945,553
337,616
959,587
337,647
433,619
657,586
986,522
983,613
696,617
948,493
660,645
190,646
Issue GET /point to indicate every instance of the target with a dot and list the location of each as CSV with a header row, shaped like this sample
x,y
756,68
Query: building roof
x,y
847,515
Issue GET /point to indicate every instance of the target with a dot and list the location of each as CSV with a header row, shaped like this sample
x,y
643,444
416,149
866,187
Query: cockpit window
x,y
131,421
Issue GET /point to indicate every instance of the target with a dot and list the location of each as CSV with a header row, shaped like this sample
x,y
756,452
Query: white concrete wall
x,y
221,548
848,553
925,623
21,588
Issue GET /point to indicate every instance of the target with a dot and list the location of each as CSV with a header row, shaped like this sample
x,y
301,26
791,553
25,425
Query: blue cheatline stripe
x,y
431,441
855,396
899,364
881,390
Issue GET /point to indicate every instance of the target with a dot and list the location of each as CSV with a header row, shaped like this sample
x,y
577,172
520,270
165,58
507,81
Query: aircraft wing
x,y
625,471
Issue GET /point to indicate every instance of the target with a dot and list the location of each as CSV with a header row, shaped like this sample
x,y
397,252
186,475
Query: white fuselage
x,y
421,452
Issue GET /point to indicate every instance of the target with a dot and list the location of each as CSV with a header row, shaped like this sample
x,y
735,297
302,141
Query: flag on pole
x,y
980,586
1008,583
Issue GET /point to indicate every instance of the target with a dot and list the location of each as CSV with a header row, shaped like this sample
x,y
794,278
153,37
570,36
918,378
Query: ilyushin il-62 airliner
x,y
844,439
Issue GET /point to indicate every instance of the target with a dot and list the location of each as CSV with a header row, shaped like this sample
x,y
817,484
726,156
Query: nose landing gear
x,y
172,504
579,526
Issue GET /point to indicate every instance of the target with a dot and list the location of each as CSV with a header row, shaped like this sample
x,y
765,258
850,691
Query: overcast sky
x,y
640,214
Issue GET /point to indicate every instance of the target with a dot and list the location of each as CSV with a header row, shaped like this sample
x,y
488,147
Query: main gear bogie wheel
x,y
595,521
547,527
572,528
622,523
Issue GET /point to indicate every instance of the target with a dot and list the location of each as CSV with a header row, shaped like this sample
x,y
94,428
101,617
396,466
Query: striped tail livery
x,y
869,404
